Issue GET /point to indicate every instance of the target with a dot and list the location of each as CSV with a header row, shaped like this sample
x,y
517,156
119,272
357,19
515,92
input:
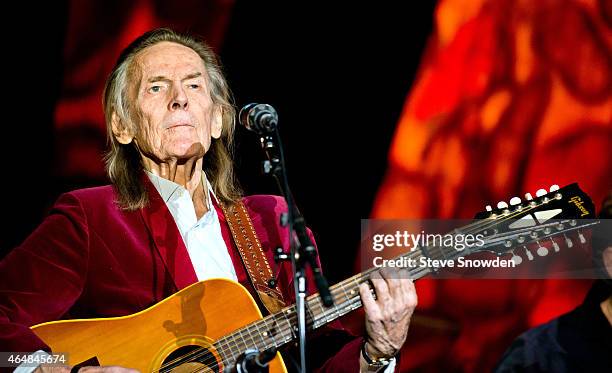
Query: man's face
x,y
174,113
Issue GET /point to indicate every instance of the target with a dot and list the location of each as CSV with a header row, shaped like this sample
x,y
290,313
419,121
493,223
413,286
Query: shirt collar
x,y
170,191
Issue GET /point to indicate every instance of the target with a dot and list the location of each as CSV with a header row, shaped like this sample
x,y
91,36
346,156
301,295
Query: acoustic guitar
x,y
208,325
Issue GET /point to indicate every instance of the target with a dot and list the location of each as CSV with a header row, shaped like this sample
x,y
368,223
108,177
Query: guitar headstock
x,y
567,202
546,220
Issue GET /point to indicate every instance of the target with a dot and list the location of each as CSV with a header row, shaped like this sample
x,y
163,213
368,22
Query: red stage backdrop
x,y
511,96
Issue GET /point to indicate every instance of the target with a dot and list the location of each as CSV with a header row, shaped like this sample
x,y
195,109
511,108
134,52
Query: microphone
x,y
259,118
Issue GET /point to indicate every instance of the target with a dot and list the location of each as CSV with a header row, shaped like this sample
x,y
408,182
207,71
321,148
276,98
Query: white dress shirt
x,y
203,238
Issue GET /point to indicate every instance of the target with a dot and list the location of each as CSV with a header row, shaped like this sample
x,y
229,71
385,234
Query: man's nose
x,y
179,99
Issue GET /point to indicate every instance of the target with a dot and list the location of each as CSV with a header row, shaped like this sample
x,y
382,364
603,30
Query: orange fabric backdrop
x,y
511,96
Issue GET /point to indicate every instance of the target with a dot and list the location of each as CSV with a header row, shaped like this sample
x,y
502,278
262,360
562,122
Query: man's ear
x,y
216,126
120,131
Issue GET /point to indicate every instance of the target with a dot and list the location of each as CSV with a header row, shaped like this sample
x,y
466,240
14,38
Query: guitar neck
x,y
570,202
280,328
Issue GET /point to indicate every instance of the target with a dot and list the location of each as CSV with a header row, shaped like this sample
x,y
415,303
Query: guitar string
x,y
341,287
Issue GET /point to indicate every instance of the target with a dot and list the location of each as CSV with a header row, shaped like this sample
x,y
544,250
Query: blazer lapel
x,y
167,238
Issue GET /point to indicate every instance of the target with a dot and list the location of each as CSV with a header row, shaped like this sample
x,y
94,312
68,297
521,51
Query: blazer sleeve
x,y
42,278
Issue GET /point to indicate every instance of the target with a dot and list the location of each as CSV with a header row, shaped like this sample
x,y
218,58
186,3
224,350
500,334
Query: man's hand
x,y
388,317
44,368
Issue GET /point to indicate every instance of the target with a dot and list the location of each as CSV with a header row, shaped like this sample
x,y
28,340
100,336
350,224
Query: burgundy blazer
x,y
89,259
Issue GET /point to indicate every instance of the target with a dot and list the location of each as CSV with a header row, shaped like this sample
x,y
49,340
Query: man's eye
x,y
155,89
194,86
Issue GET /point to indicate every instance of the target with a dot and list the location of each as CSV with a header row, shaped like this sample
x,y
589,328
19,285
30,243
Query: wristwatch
x,y
374,364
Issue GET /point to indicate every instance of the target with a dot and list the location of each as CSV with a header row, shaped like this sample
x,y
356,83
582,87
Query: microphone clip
x,y
253,361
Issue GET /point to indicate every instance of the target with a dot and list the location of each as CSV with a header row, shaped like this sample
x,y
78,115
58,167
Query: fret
x,y
286,332
226,346
314,307
269,334
317,322
357,283
223,351
344,292
350,300
278,329
289,325
325,313
263,345
245,346
309,314
335,306
251,344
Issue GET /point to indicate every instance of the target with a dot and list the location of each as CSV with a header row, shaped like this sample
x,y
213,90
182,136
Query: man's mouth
x,y
180,125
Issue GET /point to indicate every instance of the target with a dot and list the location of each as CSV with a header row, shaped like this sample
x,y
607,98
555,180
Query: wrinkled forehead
x,y
166,59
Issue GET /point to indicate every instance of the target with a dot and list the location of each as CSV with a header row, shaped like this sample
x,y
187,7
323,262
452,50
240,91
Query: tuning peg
x,y
568,242
528,196
488,208
529,254
542,251
581,238
541,192
502,205
516,259
515,201
554,188
555,245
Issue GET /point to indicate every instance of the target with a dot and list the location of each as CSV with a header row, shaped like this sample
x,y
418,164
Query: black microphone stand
x,y
303,252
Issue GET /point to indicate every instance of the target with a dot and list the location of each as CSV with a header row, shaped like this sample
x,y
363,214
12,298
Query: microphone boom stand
x,y
303,252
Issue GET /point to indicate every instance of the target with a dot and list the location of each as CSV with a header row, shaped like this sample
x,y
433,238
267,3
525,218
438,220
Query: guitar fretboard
x,y
278,329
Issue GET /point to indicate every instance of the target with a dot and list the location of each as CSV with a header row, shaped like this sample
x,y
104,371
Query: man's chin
x,y
188,152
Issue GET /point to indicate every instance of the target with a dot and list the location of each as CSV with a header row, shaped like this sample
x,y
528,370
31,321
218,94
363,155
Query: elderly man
x,y
161,226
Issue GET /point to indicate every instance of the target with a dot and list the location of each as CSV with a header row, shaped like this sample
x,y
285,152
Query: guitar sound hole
x,y
190,359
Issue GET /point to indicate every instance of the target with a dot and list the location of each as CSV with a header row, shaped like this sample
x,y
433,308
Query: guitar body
x,y
195,316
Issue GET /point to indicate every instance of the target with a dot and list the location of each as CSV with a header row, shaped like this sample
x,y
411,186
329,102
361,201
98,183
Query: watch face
x,y
374,365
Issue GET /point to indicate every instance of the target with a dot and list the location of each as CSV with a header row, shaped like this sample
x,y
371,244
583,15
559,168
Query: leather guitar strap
x,y
253,256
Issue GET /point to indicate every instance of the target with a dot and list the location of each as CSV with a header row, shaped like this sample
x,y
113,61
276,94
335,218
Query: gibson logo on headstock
x,y
578,202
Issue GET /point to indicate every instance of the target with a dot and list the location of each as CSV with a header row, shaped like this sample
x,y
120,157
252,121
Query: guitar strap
x,y
253,257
